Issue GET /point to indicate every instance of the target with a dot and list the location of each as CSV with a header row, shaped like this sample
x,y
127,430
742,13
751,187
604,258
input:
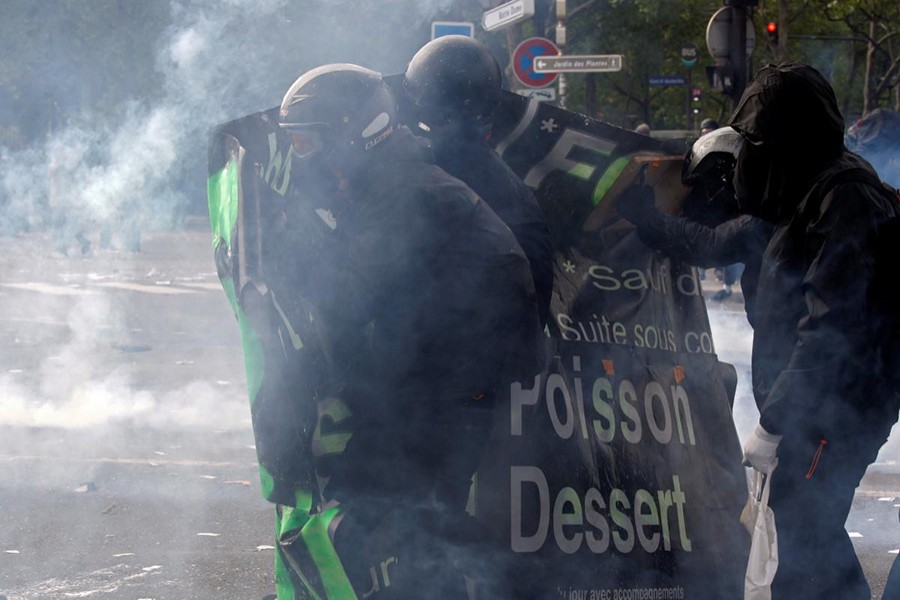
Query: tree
x,y
877,22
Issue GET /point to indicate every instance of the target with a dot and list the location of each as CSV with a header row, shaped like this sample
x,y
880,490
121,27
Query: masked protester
x,y
820,378
709,232
429,308
452,86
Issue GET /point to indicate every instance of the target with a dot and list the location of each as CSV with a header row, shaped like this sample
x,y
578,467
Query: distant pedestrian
x,y
708,126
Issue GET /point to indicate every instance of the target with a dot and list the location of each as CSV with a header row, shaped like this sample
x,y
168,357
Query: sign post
x,y
690,54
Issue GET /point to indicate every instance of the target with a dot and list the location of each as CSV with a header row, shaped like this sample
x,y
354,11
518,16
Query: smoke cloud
x,y
733,338
142,167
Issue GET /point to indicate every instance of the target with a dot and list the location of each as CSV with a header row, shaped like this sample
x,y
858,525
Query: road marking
x,y
37,321
124,461
55,290
215,287
62,290
102,581
147,289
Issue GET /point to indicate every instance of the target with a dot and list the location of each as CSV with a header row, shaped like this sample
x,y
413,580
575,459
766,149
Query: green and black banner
x,y
616,474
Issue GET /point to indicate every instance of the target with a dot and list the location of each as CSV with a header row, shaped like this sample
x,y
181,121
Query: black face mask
x,y
759,182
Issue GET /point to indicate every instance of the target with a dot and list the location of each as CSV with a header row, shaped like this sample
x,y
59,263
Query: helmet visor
x,y
305,142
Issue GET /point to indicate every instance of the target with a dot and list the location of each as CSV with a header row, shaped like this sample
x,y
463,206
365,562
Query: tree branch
x,y
886,80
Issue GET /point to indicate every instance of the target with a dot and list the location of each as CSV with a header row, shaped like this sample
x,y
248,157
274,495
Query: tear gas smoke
x,y
733,338
144,167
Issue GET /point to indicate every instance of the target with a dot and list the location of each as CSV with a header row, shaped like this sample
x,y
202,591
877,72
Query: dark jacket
x,y
742,239
476,164
430,293
815,346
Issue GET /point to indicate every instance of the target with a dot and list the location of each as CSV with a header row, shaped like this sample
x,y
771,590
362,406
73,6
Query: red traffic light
x,y
772,32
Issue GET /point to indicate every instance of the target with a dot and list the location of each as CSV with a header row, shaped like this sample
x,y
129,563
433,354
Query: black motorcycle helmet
x,y
337,115
454,79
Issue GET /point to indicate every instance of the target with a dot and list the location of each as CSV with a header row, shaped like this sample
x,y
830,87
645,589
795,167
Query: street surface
x,y
127,466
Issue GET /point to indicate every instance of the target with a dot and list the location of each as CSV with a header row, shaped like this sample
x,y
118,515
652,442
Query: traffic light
x,y
695,99
772,31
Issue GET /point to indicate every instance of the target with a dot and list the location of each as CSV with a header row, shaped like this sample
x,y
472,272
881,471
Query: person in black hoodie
x,y
429,310
825,393
451,87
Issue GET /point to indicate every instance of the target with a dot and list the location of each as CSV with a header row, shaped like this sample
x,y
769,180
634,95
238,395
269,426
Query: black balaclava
x,y
792,128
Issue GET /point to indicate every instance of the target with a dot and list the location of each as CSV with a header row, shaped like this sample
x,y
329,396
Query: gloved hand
x,y
636,203
759,451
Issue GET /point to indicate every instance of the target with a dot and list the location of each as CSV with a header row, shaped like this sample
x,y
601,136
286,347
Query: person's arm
x,y
698,244
687,240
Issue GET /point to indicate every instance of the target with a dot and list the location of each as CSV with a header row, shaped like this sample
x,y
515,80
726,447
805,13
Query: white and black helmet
x,y
340,113
713,155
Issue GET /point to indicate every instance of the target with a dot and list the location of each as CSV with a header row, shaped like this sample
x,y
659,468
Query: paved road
x,y
127,460
127,466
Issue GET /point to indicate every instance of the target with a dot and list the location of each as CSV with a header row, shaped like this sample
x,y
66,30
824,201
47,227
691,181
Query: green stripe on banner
x,y
609,178
286,521
222,195
321,548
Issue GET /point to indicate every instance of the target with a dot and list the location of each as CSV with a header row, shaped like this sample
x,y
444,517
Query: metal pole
x,y
561,42
738,50
690,100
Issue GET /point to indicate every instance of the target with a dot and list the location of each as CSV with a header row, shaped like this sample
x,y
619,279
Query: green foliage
x,y
828,34
67,57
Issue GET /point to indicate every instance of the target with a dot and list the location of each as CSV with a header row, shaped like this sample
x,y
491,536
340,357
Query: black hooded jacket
x,y
742,239
429,293
816,342
479,167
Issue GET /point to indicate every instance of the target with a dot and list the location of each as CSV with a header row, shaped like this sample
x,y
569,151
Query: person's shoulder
x,y
440,194
505,187
850,185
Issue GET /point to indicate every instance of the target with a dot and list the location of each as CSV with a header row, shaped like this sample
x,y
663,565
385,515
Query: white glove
x,y
759,451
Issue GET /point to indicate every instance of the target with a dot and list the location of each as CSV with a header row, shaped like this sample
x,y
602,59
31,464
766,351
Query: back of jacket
x,y
432,293
816,336
480,168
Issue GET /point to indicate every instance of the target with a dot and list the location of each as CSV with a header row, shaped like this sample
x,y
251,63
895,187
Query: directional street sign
x,y
442,28
507,14
598,63
524,57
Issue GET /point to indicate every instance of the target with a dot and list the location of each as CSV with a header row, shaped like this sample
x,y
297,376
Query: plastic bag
x,y
759,520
